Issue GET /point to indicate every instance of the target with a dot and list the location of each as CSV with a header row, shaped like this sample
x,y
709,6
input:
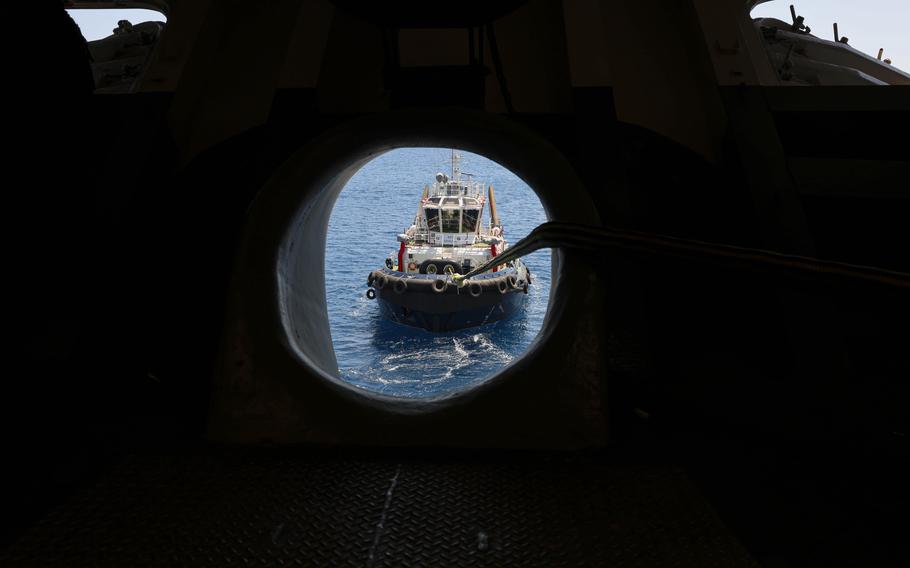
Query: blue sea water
x,y
378,355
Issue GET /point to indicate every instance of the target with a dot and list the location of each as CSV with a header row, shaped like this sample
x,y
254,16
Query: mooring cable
x,y
612,240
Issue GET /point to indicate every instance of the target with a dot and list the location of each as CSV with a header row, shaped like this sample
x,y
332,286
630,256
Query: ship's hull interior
x,y
172,395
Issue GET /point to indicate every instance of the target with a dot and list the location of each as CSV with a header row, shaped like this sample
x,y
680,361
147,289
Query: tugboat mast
x,y
456,166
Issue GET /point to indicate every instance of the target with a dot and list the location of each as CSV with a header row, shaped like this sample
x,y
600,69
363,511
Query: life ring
x,y
371,294
439,285
412,266
400,286
475,289
503,287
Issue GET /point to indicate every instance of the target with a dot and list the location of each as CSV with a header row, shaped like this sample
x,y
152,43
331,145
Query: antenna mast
x,y
456,167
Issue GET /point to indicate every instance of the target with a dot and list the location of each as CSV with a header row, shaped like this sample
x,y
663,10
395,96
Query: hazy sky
x,y
869,24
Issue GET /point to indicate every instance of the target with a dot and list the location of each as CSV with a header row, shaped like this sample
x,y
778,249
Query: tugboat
x,y
418,287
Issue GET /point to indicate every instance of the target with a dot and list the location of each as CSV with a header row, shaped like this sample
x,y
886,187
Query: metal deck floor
x,y
267,510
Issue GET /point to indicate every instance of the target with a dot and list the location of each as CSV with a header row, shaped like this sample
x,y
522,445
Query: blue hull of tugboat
x,y
455,320
452,308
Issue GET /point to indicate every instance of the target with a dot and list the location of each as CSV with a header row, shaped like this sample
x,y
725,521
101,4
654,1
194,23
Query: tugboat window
x,y
432,219
469,221
450,220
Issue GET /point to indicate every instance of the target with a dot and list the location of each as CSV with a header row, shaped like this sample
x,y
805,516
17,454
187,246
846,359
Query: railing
x,y
437,238
452,239
453,189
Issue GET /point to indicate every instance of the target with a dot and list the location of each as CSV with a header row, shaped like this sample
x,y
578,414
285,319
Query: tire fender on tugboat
x,y
439,285
400,286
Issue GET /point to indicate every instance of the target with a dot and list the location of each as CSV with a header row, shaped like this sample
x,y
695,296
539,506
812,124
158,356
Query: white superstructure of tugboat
x,y
448,237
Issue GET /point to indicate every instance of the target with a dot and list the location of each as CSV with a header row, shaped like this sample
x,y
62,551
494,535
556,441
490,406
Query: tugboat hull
x,y
437,304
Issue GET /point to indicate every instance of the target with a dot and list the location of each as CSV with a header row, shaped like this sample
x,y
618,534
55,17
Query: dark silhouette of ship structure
x,y
173,393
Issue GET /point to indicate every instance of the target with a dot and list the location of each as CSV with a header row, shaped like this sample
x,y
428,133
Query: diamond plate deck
x,y
331,511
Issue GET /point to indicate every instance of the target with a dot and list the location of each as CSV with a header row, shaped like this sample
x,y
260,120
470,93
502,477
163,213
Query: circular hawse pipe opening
x,y
383,346
279,292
